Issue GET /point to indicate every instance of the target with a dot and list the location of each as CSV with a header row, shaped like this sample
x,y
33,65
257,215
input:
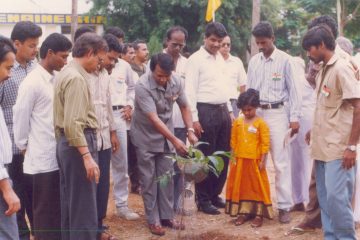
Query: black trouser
x,y
46,206
102,194
133,169
180,133
79,219
23,187
216,123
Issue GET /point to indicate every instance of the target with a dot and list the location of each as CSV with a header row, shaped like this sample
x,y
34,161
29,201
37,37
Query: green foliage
x,y
203,164
149,20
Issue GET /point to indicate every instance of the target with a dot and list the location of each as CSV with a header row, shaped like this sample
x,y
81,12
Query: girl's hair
x,y
249,98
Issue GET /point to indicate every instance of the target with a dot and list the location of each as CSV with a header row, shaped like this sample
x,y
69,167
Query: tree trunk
x,y
255,20
74,18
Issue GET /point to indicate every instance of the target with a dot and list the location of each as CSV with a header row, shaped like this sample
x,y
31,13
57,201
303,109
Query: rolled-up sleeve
x,y
76,111
350,86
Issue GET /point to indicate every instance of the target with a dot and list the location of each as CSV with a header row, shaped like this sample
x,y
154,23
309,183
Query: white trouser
x,y
301,162
119,162
357,187
278,122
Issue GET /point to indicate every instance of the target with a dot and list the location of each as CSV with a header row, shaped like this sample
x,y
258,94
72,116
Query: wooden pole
x,y
74,18
255,20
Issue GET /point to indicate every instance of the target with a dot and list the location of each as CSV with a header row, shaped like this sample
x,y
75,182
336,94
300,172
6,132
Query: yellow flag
x,y
212,6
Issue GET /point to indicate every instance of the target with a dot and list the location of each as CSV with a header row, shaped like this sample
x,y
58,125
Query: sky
x,y
43,6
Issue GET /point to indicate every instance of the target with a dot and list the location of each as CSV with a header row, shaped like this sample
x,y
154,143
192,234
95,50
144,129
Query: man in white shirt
x,y
271,73
34,135
207,91
122,87
9,201
175,41
236,72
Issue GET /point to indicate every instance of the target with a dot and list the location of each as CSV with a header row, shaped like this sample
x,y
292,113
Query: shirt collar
x,y
81,70
206,54
332,60
28,64
48,77
272,57
154,85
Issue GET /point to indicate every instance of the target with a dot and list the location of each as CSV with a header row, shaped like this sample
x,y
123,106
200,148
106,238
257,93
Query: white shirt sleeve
x,y
191,87
242,74
22,111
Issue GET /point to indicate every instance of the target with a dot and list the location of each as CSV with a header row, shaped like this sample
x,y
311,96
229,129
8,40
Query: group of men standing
x,y
67,127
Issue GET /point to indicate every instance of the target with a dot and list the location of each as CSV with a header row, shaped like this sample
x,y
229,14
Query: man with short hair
x,y
34,135
152,133
122,87
141,57
117,32
207,91
236,71
107,141
175,41
271,73
9,201
334,134
76,150
25,37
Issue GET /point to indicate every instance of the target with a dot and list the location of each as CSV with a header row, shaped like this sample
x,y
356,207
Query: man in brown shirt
x,y
334,133
75,127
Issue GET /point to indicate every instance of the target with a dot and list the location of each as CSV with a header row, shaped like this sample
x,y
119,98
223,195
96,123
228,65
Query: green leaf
x,y
223,153
200,143
218,163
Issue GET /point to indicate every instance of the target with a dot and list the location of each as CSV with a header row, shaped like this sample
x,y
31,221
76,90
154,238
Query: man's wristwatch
x,y
351,148
190,130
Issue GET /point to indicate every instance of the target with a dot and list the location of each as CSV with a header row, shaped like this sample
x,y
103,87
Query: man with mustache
x,y
141,57
271,73
207,90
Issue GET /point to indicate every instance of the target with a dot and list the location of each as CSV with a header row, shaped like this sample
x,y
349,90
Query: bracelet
x,y
82,155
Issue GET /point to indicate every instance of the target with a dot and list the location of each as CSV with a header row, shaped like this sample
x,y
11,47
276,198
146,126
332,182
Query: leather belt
x,y
271,105
118,107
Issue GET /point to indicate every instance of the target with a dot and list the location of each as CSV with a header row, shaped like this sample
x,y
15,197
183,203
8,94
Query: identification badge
x,y
252,129
175,97
325,91
276,76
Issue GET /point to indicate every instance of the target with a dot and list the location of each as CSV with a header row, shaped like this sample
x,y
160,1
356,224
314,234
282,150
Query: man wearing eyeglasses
x,y
75,129
175,41
236,72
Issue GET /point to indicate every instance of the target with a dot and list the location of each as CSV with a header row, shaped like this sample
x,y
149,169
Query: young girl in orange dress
x,y
248,188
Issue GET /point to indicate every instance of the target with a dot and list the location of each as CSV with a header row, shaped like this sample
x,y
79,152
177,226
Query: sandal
x,y
107,236
241,220
257,222
296,231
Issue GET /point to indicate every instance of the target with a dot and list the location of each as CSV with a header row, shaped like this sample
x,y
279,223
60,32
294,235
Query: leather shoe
x,y
299,207
284,216
218,202
156,230
173,224
208,208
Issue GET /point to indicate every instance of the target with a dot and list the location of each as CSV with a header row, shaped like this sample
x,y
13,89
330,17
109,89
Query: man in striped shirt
x,y
271,73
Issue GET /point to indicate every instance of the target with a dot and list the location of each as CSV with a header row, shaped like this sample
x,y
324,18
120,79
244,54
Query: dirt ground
x,y
200,226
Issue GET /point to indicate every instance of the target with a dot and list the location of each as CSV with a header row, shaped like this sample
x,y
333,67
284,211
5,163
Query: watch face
x,y
352,148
